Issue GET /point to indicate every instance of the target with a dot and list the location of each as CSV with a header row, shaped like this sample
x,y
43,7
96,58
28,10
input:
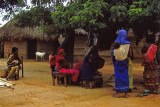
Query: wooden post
x,y
53,77
22,65
57,80
65,80
69,79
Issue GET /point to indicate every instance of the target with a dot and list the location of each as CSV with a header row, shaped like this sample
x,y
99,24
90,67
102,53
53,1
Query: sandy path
x,y
36,90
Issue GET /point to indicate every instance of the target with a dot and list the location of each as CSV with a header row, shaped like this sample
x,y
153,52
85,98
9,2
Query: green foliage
x,y
143,14
37,16
80,15
118,13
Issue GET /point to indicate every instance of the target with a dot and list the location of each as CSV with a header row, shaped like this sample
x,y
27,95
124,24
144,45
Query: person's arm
x,y
130,54
52,58
19,60
112,54
10,60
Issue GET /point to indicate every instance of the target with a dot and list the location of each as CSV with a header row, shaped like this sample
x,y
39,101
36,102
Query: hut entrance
x,y
32,47
1,49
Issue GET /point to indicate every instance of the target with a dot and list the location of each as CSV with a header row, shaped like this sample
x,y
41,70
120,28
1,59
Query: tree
x,y
80,14
37,16
143,16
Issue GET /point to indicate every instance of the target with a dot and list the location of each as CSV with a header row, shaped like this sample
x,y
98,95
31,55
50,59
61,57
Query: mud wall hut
x,y
27,40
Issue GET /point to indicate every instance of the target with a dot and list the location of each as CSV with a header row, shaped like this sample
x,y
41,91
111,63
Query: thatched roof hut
x,y
27,39
11,32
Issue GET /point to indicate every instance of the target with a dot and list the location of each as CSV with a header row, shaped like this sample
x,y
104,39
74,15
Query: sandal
x,y
115,95
139,95
126,96
145,94
156,92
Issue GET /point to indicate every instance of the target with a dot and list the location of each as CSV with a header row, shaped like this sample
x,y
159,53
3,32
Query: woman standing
x,y
120,60
150,74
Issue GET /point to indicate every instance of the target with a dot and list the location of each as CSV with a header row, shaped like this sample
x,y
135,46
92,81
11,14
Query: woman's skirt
x,y
121,76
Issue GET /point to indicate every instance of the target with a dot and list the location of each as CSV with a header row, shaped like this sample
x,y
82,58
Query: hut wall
x,y
45,46
21,45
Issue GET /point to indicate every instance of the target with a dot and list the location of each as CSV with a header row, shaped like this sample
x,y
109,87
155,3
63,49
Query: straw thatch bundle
x,y
11,32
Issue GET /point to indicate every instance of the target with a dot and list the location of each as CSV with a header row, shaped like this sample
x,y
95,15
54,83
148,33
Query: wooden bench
x,y
58,75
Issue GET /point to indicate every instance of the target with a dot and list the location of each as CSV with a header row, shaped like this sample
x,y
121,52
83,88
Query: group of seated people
x,y
84,70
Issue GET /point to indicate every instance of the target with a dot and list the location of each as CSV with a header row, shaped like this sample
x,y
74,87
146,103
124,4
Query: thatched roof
x,y
11,32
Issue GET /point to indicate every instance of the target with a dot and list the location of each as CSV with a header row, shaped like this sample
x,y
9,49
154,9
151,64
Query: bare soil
x,y
36,90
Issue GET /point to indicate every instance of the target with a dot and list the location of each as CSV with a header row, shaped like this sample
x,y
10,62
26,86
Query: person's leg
x,y
116,95
16,69
126,95
11,73
52,68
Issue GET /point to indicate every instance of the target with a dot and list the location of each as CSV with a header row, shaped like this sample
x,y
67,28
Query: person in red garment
x,y
61,61
53,61
150,74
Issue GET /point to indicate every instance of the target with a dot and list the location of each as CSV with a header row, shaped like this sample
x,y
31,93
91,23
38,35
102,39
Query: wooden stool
x,y
58,75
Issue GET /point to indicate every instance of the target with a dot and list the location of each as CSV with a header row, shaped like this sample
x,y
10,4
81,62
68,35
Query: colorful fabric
x,y
53,60
130,74
150,54
13,64
75,73
89,68
60,61
13,71
122,52
59,55
150,74
122,37
121,76
151,84
78,65
121,67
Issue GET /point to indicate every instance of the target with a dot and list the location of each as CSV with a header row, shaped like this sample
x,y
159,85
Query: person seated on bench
x,y
61,61
78,66
13,63
89,66
63,67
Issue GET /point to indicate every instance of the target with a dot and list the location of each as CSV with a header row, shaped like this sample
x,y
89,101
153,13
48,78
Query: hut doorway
x,y
32,48
1,49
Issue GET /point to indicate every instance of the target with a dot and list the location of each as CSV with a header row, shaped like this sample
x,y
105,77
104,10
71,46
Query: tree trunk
x,y
68,46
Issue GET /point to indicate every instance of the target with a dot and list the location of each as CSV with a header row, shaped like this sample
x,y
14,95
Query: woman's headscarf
x,y
59,55
122,37
150,54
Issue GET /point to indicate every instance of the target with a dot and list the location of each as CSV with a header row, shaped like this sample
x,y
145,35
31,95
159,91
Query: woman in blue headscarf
x,y
121,65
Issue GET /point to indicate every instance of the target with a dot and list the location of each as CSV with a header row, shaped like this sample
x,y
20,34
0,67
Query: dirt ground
x,y
36,90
